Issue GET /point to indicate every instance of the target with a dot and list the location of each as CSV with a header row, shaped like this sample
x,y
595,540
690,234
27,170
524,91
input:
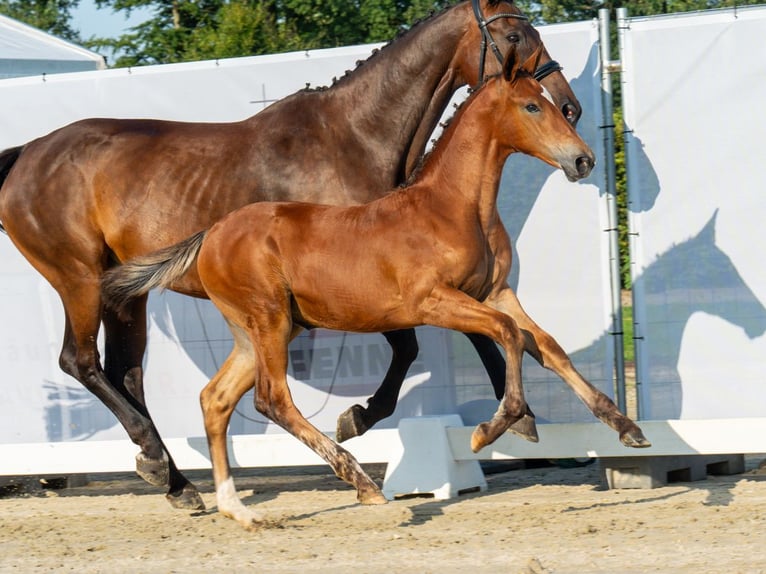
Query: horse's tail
x,y
8,157
138,276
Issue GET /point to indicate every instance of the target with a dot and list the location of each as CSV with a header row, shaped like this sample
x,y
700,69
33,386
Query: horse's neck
x,y
398,96
465,168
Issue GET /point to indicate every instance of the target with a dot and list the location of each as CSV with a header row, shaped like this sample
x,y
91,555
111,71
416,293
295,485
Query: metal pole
x,y
607,67
622,26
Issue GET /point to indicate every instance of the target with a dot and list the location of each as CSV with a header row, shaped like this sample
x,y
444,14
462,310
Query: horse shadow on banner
x,y
692,277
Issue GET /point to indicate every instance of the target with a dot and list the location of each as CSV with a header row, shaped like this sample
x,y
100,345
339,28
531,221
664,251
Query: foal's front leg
x,y
452,309
357,420
550,355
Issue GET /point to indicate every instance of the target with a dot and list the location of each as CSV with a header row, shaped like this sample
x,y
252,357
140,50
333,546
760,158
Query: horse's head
x,y
498,26
531,124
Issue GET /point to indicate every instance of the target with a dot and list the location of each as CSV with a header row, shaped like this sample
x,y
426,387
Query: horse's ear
x,y
531,64
511,64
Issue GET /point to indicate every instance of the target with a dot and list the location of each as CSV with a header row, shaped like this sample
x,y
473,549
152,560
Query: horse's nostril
x,y
571,113
584,164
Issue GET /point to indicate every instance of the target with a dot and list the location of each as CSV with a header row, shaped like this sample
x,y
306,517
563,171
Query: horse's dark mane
x,y
402,32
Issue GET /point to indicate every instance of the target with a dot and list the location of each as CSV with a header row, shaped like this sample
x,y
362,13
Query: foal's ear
x,y
531,64
511,64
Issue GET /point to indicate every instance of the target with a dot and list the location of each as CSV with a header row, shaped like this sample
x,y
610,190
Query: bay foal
x,y
432,253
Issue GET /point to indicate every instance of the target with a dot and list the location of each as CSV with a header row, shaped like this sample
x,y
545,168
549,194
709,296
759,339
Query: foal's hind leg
x,y
218,400
125,344
272,399
550,355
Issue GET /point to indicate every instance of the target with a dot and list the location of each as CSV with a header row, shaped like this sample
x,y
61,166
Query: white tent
x,y
27,51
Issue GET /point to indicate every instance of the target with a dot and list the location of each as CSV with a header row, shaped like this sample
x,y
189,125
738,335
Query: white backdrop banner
x,y
561,267
694,87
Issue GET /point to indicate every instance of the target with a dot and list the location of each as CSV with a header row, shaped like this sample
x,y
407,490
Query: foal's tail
x,y
138,276
8,157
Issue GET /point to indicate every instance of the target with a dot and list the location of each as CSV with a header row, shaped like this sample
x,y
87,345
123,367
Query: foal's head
x,y
531,124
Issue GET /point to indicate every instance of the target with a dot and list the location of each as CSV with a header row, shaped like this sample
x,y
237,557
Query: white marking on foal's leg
x,y
230,505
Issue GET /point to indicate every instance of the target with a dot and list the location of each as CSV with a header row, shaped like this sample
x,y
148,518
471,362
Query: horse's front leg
x,y
357,420
452,309
550,355
494,363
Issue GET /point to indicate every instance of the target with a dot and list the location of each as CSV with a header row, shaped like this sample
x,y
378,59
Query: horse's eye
x,y
532,108
513,38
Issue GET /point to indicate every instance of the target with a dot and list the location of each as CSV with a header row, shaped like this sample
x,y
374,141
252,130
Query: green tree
x,y
52,16
183,30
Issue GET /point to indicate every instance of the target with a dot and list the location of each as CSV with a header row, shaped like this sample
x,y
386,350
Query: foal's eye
x,y
532,108
513,38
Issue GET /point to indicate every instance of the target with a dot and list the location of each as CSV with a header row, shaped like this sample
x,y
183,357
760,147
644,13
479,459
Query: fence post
x,y
607,126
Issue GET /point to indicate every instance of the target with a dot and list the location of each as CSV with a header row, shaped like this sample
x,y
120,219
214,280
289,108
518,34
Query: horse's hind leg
x,y
218,400
80,359
357,420
550,355
273,400
125,344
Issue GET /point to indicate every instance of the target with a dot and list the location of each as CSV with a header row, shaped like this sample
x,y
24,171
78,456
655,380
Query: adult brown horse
x,y
98,191
433,253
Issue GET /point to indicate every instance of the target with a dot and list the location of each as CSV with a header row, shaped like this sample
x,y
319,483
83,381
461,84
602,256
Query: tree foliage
x,y
183,30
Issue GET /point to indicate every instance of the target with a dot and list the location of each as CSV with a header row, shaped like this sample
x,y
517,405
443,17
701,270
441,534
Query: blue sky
x,y
91,21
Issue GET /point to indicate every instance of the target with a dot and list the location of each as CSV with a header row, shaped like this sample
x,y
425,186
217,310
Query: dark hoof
x,y
154,471
635,439
187,499
351,424
526,428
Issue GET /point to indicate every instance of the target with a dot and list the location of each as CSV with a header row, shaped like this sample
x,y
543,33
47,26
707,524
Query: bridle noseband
x,y
486,39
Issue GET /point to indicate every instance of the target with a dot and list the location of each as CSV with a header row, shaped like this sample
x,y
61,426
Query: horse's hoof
x,y
634,438
479,437
350,424
526,428
187,499
154,471
372,497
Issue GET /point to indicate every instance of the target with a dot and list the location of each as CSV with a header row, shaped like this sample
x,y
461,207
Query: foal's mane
x,y
445,125
403,31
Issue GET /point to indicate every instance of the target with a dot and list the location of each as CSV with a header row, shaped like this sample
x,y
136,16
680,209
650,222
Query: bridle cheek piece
x,y
487,40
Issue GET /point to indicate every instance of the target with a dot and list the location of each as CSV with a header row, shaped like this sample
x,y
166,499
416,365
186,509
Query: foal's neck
x,y
466,166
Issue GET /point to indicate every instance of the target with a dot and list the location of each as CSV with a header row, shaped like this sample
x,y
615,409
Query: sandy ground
x,y
529,521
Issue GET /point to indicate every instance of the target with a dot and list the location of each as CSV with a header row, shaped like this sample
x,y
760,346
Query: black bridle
x,y
486,39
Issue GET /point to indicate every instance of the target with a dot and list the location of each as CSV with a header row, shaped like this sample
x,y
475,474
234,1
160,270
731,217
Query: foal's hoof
x,y
526,428
187,499
350,424
634,438
480,437
154,471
